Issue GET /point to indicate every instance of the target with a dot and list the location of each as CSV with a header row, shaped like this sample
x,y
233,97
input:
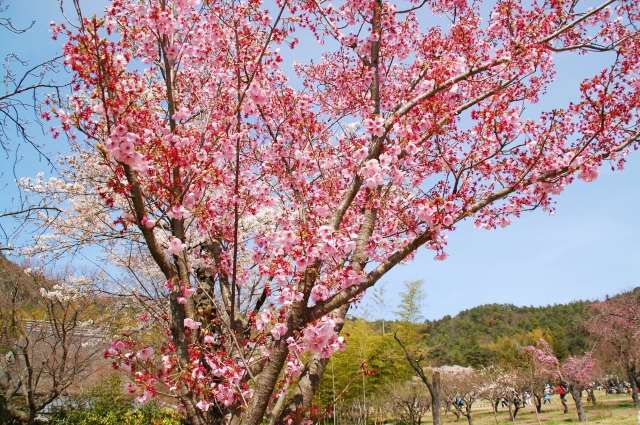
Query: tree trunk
x,y
31,420
310,378
266,383
456,412
469,418
495,409
538,402
436,401
564,403
576,393
634,387
516,408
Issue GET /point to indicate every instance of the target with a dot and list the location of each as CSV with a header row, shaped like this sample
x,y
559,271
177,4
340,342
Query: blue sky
x,y
589,248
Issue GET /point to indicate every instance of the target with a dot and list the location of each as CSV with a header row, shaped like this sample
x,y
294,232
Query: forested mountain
x,y
483,334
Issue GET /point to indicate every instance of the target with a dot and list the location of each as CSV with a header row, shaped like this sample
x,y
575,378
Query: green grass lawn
x,y
610,410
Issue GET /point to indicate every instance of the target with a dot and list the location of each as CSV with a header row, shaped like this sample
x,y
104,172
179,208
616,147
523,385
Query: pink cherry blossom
x,y
201,155
178,212
182,114
176,247
120,131
204,405
187,292
145,397
374,126
191,324
279,330
145,353
293,368
148,223
119,345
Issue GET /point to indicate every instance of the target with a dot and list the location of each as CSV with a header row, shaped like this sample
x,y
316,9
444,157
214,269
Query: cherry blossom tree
x,y
503,383
265,211
616,323
535,374
497,382
578,373
461,388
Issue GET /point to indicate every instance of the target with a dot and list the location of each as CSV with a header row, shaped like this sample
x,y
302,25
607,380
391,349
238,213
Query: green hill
x,y
482,335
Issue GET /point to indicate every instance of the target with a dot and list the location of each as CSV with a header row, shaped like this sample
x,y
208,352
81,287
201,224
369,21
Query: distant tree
x,y
411,301
616,322
513,388
49,338
535,377
433,382
578,373
461,388
410,402
497,380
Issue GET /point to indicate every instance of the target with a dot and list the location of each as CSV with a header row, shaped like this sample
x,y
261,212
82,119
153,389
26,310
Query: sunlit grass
x,y
610,410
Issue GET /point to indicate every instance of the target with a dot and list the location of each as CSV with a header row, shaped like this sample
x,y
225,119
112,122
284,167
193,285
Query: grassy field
x,y
610,410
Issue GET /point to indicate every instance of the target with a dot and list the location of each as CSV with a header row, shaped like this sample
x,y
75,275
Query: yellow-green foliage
x,y
107,404
383,356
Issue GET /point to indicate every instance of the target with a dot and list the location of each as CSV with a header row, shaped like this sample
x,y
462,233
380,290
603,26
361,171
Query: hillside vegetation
x,y
479,336
373,362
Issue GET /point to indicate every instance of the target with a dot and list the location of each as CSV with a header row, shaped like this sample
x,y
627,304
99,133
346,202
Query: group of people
x,y
611,387
561,390
526,399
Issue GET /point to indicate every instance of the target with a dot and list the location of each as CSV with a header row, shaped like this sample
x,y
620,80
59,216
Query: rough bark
x,y
496,402
516,409
538,402
469,419
455,412
634,387
307,385
266,383
576,393
591,396
564,403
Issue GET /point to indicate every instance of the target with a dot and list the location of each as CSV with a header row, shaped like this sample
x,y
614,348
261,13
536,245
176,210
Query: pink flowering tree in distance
x,y
266,210
616,323
578,373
